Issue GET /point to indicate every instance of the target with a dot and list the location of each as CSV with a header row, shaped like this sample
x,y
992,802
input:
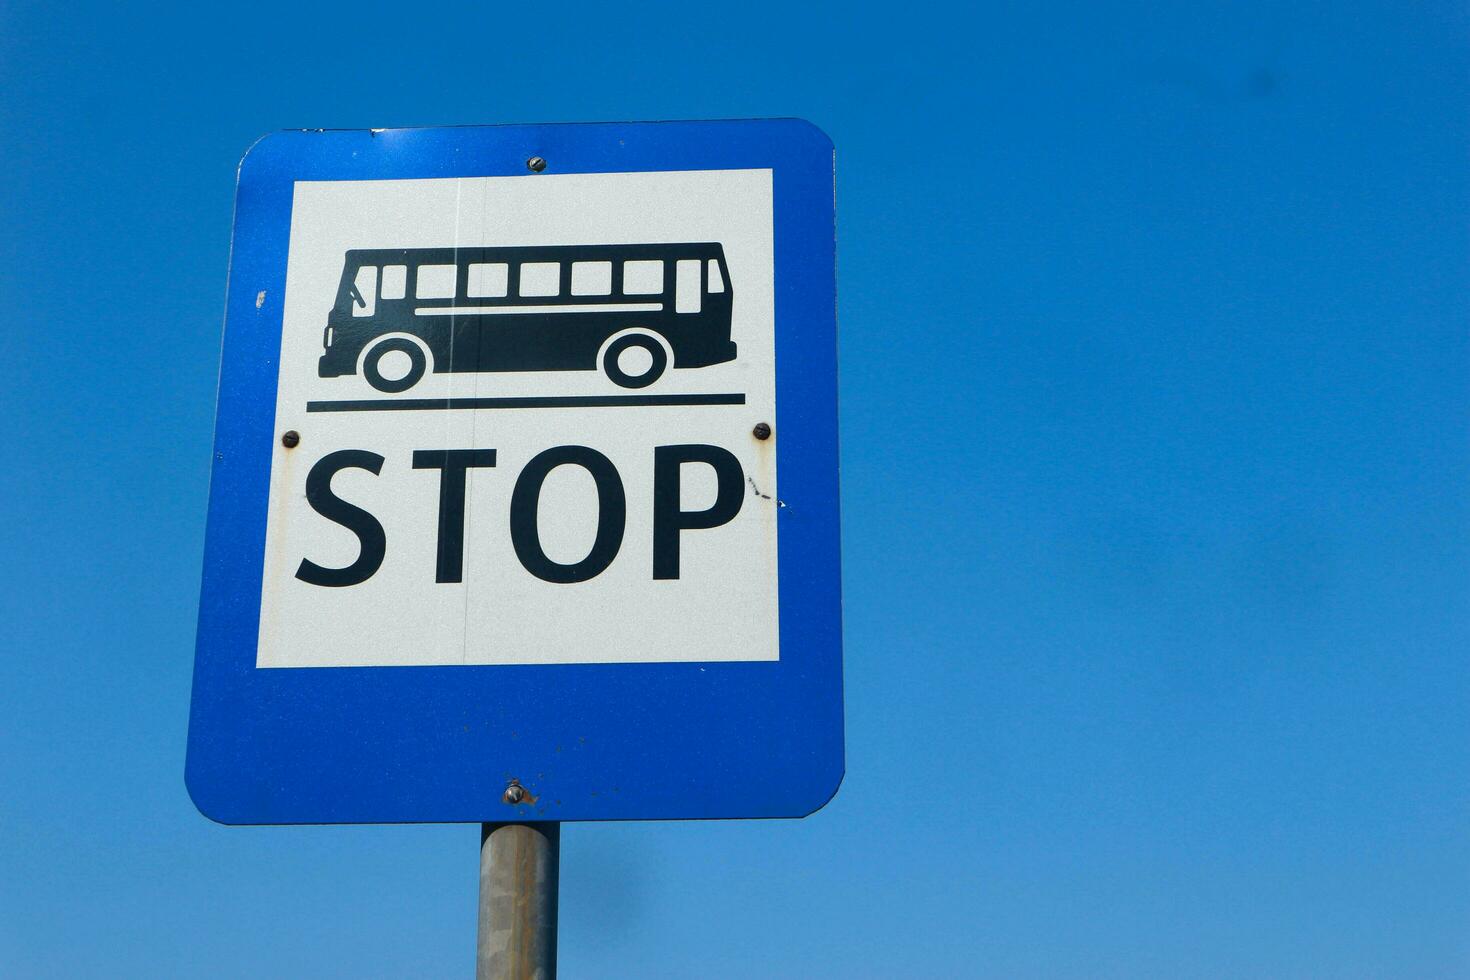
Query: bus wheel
x,y
640,376
372,364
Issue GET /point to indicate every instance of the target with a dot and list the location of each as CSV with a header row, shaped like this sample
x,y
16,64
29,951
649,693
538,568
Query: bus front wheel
x,y
635,370
397,377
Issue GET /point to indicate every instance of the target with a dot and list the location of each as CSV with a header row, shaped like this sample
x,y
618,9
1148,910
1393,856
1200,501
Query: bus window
x,y
716,281
540,278
643,277
395,281
365,291
591,278
487,279
686,286
435,282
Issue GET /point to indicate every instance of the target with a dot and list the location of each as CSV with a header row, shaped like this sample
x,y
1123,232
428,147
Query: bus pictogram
x,y
631,311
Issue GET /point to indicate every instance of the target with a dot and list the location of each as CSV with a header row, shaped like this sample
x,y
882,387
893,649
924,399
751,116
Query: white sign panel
x,y
532,423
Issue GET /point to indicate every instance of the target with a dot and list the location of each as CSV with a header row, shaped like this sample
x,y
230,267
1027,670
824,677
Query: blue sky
x,y
1154,389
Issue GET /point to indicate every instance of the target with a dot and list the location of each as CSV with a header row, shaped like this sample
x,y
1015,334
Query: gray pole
x,y
518,883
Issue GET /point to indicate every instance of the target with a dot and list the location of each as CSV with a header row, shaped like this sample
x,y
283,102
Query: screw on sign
x,y
510,433
516,793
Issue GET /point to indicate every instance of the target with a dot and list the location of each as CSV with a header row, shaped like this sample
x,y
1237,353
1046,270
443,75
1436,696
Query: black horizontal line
x,y
549,401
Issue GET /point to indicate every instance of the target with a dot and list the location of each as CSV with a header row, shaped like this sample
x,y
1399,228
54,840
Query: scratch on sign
x,y
757,491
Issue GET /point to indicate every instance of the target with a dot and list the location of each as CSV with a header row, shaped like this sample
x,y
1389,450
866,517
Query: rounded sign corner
x,y
200,794
261,147
823,793
814,134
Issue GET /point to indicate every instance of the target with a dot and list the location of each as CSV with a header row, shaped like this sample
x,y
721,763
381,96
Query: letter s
x,y
372,542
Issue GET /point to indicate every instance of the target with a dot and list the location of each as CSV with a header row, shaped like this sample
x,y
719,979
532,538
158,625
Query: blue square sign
x,y
525,501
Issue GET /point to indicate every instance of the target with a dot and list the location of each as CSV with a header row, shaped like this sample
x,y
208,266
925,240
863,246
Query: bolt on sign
x,y
524,501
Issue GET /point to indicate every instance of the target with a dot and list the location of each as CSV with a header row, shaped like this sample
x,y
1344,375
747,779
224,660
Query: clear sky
x,y
1154,388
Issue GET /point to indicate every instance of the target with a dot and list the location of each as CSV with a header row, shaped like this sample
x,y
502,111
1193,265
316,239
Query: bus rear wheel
x,y
372,365
634,376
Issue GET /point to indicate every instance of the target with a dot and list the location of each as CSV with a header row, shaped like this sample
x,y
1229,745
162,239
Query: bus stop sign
x,y
524,495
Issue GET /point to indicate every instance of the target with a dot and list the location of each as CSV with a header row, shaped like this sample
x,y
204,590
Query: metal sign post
x,y
518,899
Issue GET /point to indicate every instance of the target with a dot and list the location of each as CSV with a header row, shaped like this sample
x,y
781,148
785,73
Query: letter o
x,y
612,514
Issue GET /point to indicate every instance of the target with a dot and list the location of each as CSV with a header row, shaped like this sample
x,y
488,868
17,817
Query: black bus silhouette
x,y
534,308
